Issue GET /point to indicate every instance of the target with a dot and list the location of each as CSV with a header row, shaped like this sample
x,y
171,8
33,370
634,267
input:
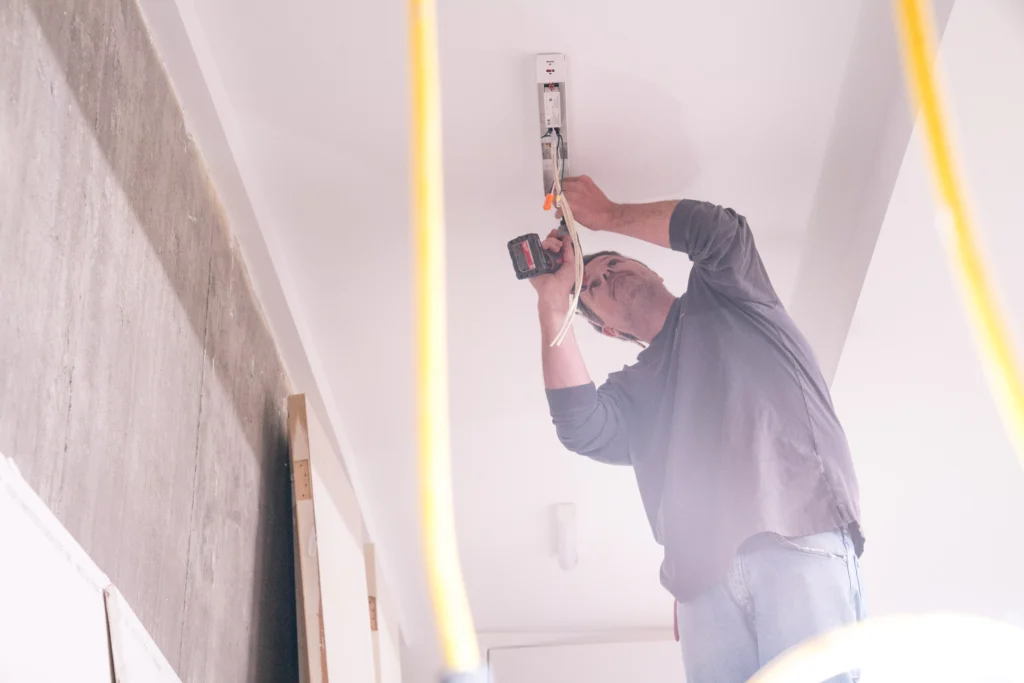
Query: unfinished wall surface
x,y
140,391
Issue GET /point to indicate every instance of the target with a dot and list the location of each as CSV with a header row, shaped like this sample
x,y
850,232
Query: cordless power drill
x,y
530,258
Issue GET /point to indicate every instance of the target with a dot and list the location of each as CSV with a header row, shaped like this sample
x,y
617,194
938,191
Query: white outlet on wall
x,y
551,68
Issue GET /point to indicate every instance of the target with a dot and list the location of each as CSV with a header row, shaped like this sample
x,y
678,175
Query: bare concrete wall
x,y
140,391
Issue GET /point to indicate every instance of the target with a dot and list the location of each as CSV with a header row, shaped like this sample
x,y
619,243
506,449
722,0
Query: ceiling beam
x,y
869,139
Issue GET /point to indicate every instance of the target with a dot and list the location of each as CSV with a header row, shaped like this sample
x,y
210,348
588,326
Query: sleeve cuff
x,y
562,401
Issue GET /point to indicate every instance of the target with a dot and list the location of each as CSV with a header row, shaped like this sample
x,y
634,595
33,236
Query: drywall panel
x,y
386,634
308,600
53,625
342,564
593,663
136,657
387,644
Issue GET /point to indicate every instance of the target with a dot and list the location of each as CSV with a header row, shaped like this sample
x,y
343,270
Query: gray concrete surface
x,y
141,393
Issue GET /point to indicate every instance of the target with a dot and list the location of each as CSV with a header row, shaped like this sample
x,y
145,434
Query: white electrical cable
x,y
570,225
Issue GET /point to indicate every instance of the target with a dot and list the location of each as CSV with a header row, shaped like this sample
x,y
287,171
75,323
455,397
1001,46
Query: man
x,y
742,465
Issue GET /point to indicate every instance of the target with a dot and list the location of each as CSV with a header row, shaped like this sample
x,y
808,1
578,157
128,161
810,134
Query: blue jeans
x,y
778,593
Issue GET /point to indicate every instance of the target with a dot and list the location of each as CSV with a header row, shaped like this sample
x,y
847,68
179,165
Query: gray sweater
x,y
725,417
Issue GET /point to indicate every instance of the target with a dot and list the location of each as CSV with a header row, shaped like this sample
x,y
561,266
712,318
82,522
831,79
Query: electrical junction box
x,y
552,79
552,102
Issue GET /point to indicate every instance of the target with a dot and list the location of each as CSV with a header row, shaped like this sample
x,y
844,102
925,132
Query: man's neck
x,y
656,314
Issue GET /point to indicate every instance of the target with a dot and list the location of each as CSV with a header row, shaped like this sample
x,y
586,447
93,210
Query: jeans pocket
x,y
828,545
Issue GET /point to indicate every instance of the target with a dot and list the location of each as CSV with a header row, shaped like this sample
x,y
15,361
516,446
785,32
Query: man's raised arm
x,y
590,206
588,421
717,240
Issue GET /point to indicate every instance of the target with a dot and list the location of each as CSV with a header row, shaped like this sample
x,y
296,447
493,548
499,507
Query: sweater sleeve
x,y
721,246
591,421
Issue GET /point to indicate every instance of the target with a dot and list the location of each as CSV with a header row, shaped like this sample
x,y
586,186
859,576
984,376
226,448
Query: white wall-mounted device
x,y
565,535
552,78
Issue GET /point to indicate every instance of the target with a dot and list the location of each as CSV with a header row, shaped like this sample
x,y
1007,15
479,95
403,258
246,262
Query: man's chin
x,y
621,286
626,289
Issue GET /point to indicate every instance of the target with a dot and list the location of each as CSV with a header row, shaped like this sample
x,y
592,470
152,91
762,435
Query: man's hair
x,y
593,318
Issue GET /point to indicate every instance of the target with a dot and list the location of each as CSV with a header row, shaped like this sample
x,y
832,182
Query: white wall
x,y
942,494
626,662
53,624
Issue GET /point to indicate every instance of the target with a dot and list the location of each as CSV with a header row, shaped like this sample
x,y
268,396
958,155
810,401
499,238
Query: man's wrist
x,y
614,219
549,308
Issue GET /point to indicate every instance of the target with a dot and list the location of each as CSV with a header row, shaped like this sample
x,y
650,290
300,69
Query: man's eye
x,y
613,262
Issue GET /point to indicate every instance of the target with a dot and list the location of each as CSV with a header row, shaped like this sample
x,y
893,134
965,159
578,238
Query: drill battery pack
x,y
530,259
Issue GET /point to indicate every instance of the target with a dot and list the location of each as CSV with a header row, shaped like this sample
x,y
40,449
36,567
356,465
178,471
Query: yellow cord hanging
x,y
447,590
994,343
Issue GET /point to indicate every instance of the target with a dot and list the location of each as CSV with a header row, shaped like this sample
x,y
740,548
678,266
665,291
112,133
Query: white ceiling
x,y
300,109
943,494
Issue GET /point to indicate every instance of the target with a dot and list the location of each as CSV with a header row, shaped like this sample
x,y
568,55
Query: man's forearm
x,y
563,364
648,222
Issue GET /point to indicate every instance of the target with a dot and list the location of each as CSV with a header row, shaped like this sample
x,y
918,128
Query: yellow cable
x,y
447,590
995,345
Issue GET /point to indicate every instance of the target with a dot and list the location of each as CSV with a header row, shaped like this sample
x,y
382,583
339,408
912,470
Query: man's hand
x,y
554,289
590,206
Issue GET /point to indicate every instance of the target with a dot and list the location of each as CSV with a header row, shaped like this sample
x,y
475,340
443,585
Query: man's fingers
x,y
576,183
552,244
568,255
